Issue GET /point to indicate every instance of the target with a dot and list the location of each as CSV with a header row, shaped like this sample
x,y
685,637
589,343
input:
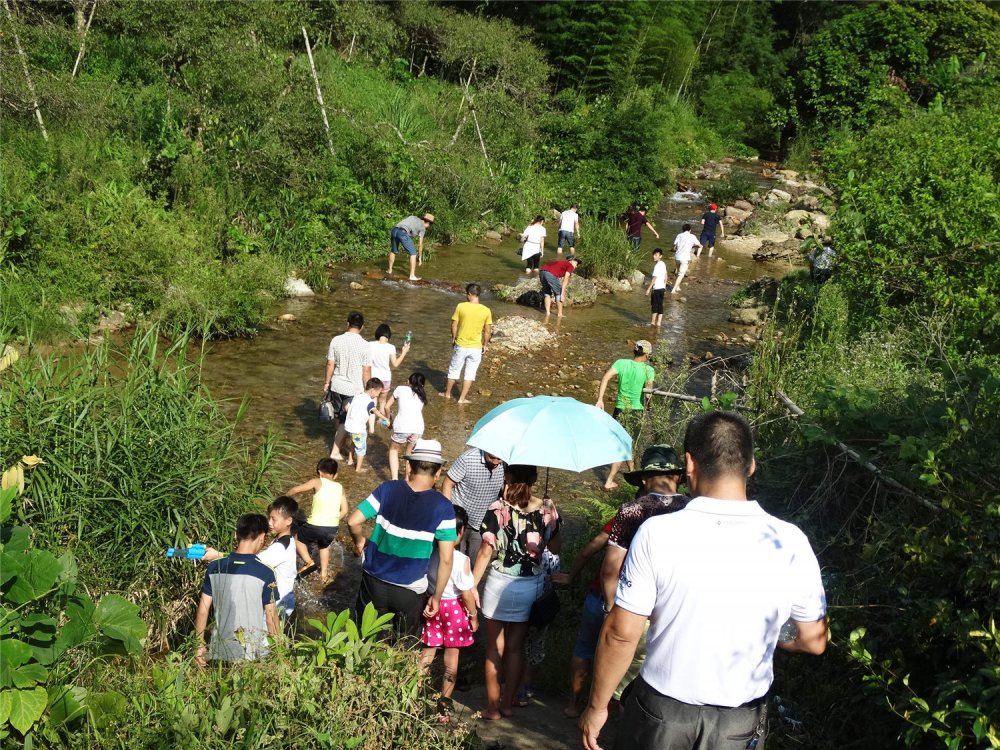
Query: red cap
x,y
712,207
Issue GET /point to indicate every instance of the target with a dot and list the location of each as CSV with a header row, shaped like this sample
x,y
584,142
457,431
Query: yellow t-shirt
x,y
326,503
472,317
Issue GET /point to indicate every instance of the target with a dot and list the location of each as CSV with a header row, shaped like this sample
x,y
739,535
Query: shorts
x,y
321,536
360,442
341,404
399,237
551,286
509,598
467,357
568,237
656,301
680,269
591,622
449,628
531,262
707,240
405,437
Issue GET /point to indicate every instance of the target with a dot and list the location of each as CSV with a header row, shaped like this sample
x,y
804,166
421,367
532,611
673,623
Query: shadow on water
x,y
282,370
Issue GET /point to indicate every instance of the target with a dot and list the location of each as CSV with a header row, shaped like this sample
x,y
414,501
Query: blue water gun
x,y
191,552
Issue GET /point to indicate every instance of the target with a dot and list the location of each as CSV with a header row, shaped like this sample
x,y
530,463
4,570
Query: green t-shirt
x,y
632,378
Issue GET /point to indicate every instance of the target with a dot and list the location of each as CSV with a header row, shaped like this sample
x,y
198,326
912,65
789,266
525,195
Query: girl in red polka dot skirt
x,y
452,627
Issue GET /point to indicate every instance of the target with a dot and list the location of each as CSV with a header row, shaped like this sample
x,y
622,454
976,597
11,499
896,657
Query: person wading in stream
x,y
403,234
471,329
556,277
633,375
716,581
348,368
635,220
710,221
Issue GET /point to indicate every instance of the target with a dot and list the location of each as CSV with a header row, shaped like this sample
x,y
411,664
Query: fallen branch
x,y
686,397
27,75
319,91
794,409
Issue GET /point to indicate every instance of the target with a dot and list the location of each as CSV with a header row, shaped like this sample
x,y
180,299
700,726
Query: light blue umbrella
x,y
552,431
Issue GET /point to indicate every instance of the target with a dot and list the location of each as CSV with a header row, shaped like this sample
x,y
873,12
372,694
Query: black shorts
x,y
321,536
532,261
656,301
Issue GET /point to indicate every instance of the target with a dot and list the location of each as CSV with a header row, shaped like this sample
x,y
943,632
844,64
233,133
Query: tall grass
x,y
605,252
138,457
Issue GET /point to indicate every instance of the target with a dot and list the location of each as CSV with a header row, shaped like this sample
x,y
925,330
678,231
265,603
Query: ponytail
x,y
519,481
416,381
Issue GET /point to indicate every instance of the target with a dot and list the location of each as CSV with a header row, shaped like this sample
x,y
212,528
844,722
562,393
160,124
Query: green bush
x,y
605,252
737,185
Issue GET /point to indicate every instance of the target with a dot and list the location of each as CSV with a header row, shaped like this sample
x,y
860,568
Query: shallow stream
x,y
282,370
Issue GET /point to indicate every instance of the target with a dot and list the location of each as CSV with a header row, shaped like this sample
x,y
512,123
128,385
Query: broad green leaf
x,y
10,566
19,540
104,707
26,707
40,573
29,675
6,503
79,624
66,702
5,702
13,653
118,619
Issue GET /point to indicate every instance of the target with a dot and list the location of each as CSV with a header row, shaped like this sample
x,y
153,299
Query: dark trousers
x,y
405,606
653,721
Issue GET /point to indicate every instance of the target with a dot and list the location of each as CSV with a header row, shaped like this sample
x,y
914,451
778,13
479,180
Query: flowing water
x,y
282,370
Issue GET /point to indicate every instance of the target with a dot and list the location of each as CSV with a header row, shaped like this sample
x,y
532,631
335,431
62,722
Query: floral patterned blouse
x,y
519,537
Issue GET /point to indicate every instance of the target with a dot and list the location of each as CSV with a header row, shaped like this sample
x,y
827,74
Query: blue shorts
x,y
551,286
360,441
568,237
707,240
591,622
400,237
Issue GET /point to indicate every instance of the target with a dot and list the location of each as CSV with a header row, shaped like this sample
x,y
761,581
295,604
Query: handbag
x,y
545,609
329,407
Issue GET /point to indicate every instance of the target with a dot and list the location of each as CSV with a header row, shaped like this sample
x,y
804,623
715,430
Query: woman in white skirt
x,y
534,244
516,529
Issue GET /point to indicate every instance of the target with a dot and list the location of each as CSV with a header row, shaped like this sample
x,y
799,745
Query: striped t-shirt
x,y
407,524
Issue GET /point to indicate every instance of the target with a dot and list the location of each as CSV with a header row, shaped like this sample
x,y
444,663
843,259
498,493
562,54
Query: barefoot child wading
x,y
456,619
360,422
329,505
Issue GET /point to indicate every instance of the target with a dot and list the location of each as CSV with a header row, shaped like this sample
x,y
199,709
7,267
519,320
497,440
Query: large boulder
x,y
821,223
776,197
740,244
786,250
797,217
638,277
808,203
743,205
528,291
738,215
787,174
492,234
297,288
751,304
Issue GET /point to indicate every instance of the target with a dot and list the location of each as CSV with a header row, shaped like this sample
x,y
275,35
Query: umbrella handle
x,y
545,496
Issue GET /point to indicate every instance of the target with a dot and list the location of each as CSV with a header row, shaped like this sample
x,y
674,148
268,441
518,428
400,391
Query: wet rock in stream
x,y
514,333
528,291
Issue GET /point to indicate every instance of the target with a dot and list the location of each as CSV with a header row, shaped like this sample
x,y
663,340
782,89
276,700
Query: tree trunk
x,y
83,40
319,91
27,75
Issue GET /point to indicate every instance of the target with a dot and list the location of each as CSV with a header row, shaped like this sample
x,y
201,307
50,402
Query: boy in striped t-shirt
x,y
409,518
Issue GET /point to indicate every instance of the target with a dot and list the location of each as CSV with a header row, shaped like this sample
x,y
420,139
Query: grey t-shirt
x,y
351,354
413,226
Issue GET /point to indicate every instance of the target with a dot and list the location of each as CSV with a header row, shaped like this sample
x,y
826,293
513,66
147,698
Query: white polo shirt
x,y
717,580
684,243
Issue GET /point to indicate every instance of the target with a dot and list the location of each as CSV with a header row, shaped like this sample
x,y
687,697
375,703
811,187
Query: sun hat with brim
x,y
656,459
426,450
428,218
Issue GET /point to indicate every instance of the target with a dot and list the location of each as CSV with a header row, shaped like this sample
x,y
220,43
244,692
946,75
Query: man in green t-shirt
x,y
633,375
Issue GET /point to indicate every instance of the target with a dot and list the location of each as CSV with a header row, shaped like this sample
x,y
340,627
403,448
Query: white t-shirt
x,y
717,580
281,558
683,244
357,413
659,276
410,417
533,236
461,575
568,220
382,355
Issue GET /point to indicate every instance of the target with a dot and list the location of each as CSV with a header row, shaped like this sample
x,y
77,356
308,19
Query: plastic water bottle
x,y
408,338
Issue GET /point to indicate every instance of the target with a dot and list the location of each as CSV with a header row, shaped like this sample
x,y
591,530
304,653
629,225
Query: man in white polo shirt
x,y
684,243
717,581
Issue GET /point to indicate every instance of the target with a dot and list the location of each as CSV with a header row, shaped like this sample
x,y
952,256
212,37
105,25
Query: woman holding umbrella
x,y
516,529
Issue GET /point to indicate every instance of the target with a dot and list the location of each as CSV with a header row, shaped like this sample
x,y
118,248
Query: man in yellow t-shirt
x,y
471,326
